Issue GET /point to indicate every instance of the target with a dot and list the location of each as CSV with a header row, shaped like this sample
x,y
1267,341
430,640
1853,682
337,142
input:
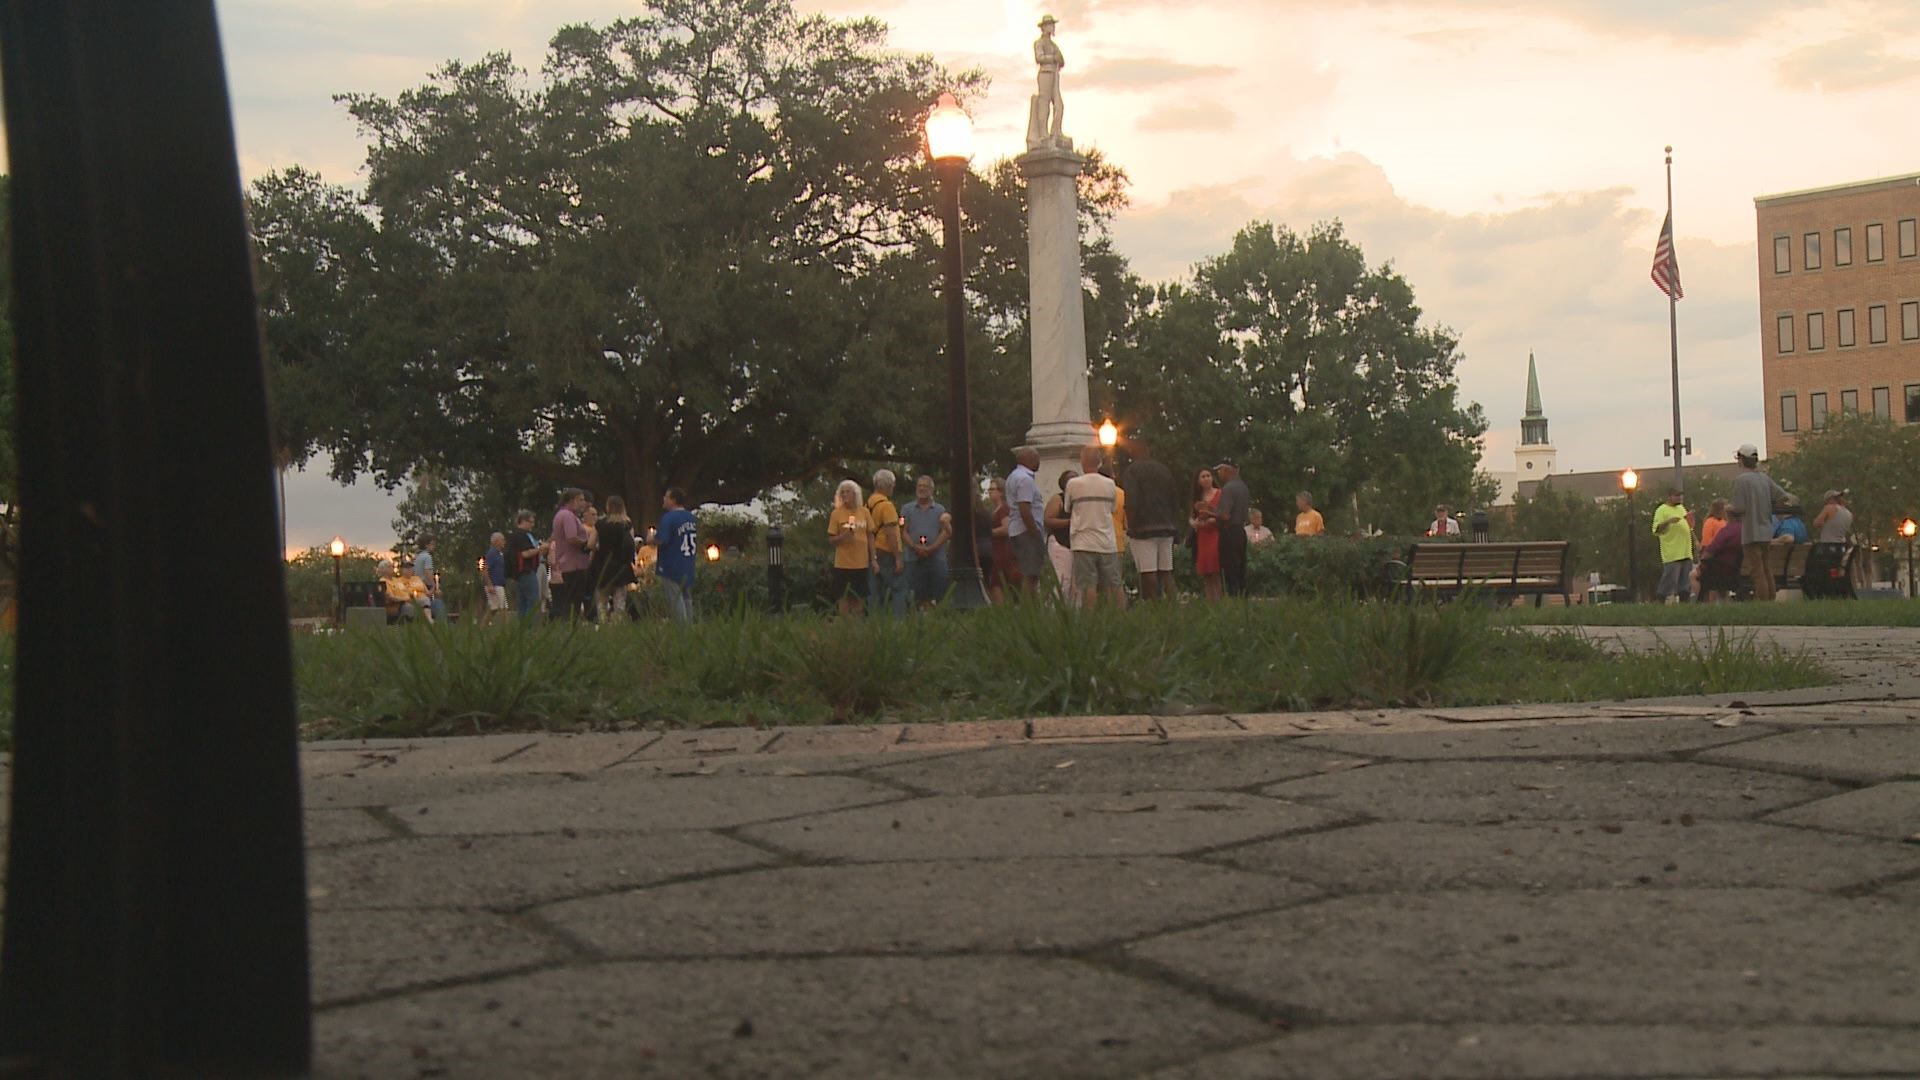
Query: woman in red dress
x,y
1206,533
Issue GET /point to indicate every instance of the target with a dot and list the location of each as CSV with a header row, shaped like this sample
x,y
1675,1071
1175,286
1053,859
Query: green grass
x,y
1020,660
1804,613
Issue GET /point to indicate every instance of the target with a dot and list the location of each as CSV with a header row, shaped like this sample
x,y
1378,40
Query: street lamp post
x,y
1109,438
1630,480
338,549
1907,529
949,145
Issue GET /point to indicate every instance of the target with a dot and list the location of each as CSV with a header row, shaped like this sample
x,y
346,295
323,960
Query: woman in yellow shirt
x,y
850,531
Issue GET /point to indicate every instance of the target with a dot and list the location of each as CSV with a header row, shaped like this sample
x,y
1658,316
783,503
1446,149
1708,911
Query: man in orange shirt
x,y
1308,521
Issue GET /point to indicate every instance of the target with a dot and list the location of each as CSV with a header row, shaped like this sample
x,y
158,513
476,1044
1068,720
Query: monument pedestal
x,y
1062,423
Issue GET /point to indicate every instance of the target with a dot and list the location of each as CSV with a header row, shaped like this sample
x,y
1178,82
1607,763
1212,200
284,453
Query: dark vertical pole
x,y
1633,563
339,595
156,907
1673,337
963,568
1913,587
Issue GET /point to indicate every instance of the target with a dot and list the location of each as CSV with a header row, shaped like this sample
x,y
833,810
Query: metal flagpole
x,y
1673,332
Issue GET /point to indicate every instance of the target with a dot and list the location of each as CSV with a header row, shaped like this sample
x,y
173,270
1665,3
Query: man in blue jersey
x,y
679,549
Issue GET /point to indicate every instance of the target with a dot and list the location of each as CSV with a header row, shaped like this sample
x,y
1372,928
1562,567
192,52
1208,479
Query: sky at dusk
x,y
1504,155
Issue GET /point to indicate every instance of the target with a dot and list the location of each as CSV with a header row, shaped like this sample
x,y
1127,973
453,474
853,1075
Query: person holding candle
x,y
850,531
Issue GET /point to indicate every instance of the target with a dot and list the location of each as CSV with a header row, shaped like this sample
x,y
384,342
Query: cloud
x,y
1145,73
1853,62
1562,274
1198,116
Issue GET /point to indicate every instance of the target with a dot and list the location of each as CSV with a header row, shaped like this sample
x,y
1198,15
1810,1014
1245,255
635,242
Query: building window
x,y
1817,331
1910,320
1876,242
1785,325
1810,250
1913,403
1843,247
1849,403
1877,324
1782,254
1790,411
1908,248
1843,327
1817,410
1882,403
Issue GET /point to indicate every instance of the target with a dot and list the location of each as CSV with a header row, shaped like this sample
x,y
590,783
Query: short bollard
x,y
776,570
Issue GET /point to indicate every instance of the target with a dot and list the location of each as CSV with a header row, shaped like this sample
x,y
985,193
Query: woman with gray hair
x,y
850,531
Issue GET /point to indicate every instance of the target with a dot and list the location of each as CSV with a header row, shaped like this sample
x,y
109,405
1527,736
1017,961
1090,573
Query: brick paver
x,y
1718,886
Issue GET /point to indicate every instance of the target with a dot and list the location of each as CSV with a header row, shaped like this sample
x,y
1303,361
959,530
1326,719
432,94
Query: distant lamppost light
x,y
1629,480
337,549
1109,435
713,552
949,131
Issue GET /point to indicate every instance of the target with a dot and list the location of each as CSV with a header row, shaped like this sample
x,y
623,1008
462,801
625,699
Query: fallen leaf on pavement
x,y
1727,721
1067,764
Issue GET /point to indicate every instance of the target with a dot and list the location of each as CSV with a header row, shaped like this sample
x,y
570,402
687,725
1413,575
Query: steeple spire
x,y
1533,426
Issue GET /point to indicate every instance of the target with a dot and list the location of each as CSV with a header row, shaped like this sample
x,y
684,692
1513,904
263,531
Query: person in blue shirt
x,y
1787,524
926,528
678,547
496,563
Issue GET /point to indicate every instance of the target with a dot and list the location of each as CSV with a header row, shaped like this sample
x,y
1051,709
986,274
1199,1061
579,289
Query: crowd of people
x,y
1736,540
886,557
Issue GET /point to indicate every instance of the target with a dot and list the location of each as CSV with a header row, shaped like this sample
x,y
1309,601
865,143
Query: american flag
x,y
1666,268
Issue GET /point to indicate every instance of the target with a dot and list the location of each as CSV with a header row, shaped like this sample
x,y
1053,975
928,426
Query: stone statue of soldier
x,y
1047,108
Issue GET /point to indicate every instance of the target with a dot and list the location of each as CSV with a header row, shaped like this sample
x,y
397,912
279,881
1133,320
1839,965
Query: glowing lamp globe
x,y
337,549
713,552
1908,528
949,131
1109,435
1629,480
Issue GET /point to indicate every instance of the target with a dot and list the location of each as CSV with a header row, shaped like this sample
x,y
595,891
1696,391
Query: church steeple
x,y
1533,427
1534,458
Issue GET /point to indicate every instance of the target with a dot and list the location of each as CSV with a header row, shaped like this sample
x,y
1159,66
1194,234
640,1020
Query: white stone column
x,y
1062,423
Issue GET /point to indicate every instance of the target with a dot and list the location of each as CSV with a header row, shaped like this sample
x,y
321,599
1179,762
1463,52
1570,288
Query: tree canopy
x,y
684,255
1311,368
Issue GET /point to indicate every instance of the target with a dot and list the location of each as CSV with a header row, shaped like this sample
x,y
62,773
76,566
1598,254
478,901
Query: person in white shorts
x,y
1096,552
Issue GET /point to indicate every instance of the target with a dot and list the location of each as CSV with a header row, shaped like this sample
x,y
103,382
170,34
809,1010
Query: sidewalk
x,y
1614,890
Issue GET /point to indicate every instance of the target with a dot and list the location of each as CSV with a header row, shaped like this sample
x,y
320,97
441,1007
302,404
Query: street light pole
x,y
1907,529
1630,480
949,144
338,549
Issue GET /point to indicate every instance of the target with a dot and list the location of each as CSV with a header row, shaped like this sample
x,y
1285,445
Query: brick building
x,y
1839,305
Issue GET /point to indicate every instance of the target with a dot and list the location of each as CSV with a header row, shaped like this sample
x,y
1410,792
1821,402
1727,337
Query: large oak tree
x,y
693,252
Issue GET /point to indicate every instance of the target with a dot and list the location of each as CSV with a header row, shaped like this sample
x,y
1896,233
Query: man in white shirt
x,y
1443,525
1023,523
1096,548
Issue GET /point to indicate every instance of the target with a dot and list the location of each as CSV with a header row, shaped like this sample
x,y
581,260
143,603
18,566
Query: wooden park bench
x,y
1520,568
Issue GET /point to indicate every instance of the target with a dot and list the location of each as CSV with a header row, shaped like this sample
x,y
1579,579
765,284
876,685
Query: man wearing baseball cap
x,y
1834,521
1235,501
1753,495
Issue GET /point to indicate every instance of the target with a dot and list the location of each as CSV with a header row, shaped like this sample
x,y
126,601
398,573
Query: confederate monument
x,y
1061,422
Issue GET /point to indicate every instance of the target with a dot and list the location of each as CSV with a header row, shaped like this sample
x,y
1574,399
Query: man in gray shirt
x,y
1235,501
1754,493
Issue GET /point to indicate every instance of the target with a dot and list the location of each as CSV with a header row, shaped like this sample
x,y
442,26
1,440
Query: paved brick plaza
x,y
1618,890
